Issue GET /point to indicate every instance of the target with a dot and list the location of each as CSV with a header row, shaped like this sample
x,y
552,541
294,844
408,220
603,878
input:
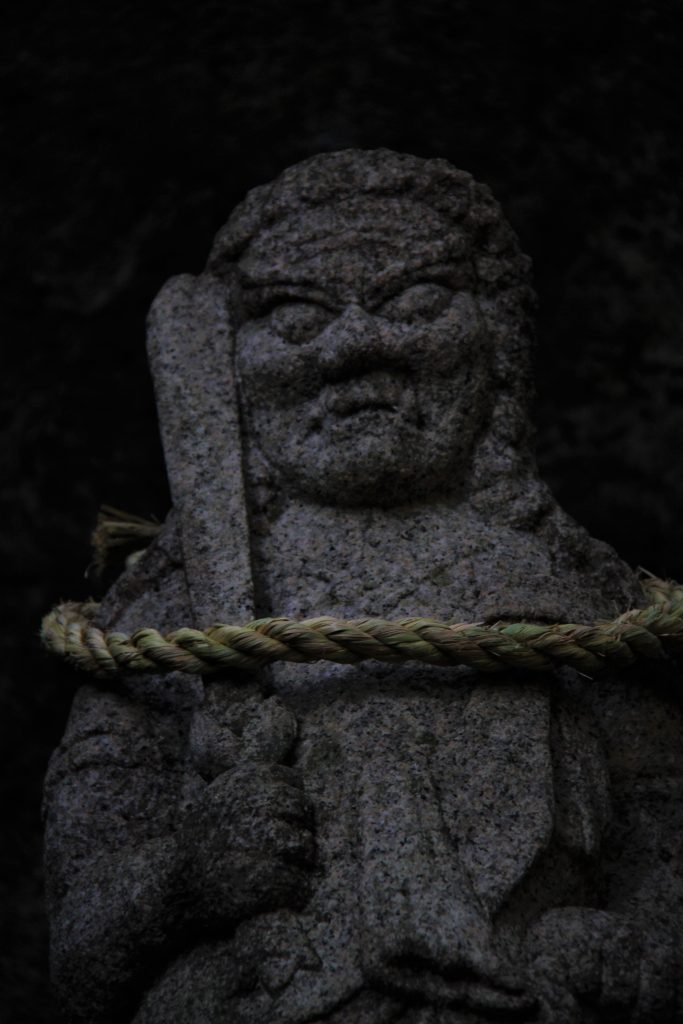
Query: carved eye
x,y
105,750
298,322
418,304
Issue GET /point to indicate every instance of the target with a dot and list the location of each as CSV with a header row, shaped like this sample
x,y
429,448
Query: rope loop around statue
x,y
653,632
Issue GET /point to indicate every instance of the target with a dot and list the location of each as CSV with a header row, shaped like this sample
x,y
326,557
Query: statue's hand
x,y
246,845
579,957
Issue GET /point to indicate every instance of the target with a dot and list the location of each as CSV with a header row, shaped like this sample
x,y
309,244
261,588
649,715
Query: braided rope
x,y
651,632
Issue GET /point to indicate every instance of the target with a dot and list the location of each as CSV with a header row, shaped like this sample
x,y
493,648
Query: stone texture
x,y
343,398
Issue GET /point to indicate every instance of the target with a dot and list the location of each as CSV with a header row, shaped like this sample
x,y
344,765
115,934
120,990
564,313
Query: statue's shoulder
x,y
152,590
547,567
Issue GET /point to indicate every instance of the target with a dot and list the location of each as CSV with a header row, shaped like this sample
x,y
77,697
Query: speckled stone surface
x,y
343,398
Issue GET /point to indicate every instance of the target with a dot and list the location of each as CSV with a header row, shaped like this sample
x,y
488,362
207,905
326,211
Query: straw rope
x,y
651,633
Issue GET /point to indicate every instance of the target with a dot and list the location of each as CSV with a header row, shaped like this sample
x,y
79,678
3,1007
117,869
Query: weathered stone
x,y
343,397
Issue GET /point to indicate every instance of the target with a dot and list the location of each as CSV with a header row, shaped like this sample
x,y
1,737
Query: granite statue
x,y
343,397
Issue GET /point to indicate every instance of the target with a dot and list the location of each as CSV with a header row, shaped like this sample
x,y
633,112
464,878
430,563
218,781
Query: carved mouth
x,y
378,391
355,407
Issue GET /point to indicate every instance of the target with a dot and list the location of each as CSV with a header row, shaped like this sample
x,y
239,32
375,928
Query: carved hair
x,y
499,262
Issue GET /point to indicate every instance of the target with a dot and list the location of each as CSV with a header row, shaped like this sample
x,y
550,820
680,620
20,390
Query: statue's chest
x,y
355,578
444,567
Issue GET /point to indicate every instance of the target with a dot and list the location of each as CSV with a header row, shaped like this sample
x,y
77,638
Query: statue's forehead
x,y
351,238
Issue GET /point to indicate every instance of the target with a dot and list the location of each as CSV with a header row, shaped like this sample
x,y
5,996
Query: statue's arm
x,y
627,956
141,847
110,853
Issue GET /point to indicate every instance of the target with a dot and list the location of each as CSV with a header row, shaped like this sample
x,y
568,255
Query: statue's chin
x,y
373,458
356,483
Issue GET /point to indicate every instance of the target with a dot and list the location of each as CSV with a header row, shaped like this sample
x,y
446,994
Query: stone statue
x,y
343,397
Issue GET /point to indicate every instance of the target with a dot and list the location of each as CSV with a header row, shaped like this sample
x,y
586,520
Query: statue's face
x,y
363,357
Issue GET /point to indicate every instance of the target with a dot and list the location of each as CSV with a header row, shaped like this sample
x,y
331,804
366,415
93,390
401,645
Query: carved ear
x,y
190,344
505,448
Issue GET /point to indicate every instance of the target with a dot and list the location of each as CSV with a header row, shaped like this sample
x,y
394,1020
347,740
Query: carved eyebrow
x,y
260,298
117,733
391,284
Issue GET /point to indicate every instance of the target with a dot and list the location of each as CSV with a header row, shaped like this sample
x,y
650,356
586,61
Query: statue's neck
x,y
314,559
497,555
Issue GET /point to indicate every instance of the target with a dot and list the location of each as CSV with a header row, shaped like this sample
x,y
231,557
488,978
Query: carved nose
x,y
350,343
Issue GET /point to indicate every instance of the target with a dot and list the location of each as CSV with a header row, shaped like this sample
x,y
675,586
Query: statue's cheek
x,y
439,352
273,373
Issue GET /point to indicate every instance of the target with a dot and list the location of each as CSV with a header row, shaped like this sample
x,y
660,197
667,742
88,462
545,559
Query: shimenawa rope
x,y
651,633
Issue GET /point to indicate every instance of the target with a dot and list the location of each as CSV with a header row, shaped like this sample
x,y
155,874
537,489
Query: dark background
x,y
129,135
